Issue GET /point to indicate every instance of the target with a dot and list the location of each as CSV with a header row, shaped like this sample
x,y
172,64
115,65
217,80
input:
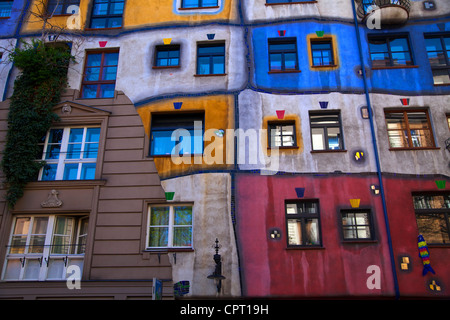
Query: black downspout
x,y
377,158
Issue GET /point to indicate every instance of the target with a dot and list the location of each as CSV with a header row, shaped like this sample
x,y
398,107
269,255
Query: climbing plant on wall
x,y
36,91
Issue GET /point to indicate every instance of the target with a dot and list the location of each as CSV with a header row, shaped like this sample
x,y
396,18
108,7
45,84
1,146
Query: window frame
x,y
106,16
62,159
169,48
331,50
445,53
99,82
388,39
46,256
65,4
211,58
325,128
303,217
408,130
170,226
445,212
200,5
10,10
288,40
354,227
289,2
270,127
177,117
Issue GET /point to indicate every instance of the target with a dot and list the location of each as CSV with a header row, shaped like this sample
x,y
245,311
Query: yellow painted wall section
x,y
35,23
137,13
298,131
219,114
140,13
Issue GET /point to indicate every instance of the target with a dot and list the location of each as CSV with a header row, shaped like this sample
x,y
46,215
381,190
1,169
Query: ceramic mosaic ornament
x,y
424,255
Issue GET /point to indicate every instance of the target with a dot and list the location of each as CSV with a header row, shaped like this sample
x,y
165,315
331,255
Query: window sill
x,y
284,3
4,18
359,241
101,29
325,66
439,245
328,151
199,8
165,250
63,183
284,71
166,67
170,155
414,149
305,248
210,75
442,85
395,67
283,148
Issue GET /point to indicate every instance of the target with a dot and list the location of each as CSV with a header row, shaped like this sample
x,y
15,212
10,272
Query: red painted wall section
x,y
404,232
336,269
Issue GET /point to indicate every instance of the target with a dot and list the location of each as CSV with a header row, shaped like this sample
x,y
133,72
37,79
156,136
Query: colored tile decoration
x,y
167,40
440,184
181,288
300,192
211,36
281,33
355,203
375,189
405,101
359,155
280,114
177,105
102,44
323,104
434,285
275,234
219,133
169,196
320,33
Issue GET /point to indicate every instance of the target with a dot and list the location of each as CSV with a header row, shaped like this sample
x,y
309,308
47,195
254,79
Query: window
x,y
326,131
170,226
167,56
438,50
286,1
356,225
409,129
322,53
433,217
282,134
283,54
390,51
190,140
211,59
303,223
60,7
107,14
100,73
5,8
69,153
42,247
187,4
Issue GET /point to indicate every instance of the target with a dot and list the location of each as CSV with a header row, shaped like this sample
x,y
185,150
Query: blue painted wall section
x,y
9,26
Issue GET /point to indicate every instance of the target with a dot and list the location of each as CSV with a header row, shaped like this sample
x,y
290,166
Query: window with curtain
x,y
303,223
170,226
326,131
357,225
41,247
433,217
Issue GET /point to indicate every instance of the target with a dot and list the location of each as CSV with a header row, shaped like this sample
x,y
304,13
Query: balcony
x,y
391,12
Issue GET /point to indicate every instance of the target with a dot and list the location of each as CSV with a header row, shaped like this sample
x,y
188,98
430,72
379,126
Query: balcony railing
x,y
394,15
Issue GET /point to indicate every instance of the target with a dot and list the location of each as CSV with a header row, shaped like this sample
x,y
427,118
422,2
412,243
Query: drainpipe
x,y
375,149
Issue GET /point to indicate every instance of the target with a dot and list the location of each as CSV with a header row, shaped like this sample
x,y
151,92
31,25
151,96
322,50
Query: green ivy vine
x,y
36,91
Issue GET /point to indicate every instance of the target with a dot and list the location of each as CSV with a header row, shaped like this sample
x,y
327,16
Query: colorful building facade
x,y
312,144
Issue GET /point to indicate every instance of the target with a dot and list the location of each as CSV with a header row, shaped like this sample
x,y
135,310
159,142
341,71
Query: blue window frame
x,y
283,54
187,140
211,58
5,8
107,14
187,4
167,56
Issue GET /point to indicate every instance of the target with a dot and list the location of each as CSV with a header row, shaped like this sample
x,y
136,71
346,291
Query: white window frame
x,y
170,227
62,161
45,257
